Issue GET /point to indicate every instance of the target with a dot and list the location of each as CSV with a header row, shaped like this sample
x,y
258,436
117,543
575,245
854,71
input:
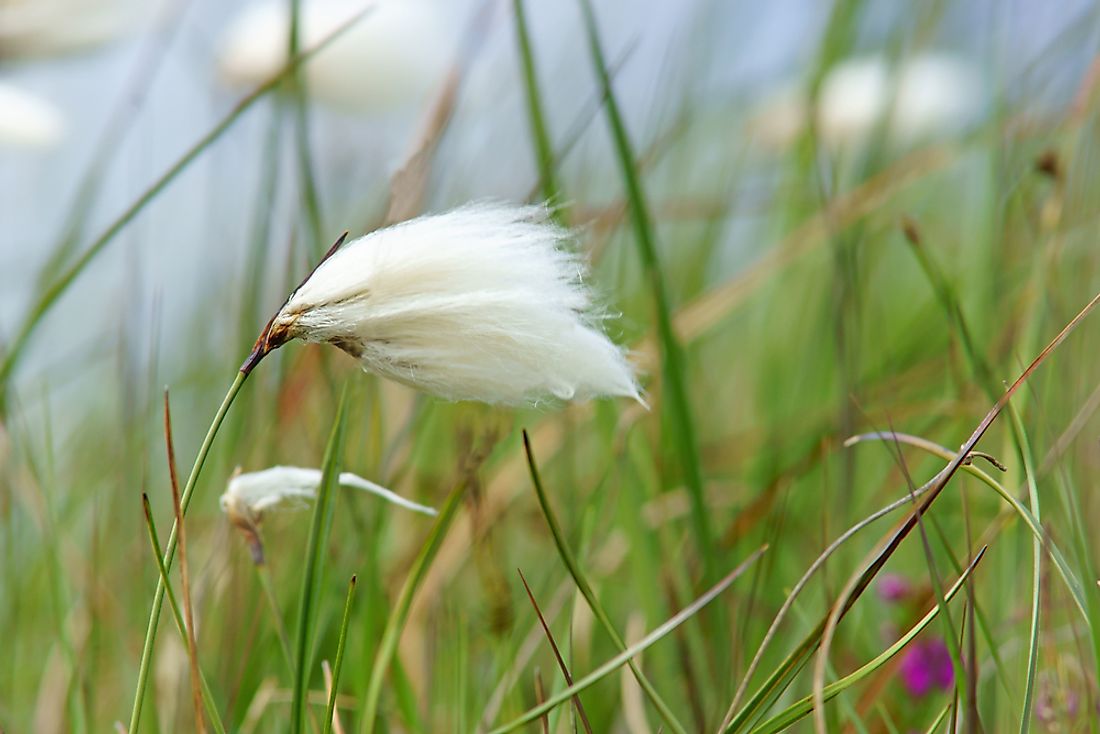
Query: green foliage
x,y
776,301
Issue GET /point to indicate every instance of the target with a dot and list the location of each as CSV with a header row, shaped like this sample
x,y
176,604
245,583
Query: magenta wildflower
x,y
927,664
893,587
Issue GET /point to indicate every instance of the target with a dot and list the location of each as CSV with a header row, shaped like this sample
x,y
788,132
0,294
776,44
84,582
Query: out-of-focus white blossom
x,y
27,120
485,302
937,94
926,96
853,99
251,495
51,27
397,54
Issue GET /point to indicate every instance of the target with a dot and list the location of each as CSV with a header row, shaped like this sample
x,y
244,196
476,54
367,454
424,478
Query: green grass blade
x,y
951,636
315,550
804,706
260,233
980,615
1072,506
170,552
682,426
331,711
544,151
950,302
400,613
154,540
263,573
782,676
577,704
49,296
585,588
814,567
1073,584
1036,569
58,590
621,659
938,721
297,84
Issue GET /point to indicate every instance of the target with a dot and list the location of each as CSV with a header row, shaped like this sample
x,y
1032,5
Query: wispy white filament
x,y
251,495
485,302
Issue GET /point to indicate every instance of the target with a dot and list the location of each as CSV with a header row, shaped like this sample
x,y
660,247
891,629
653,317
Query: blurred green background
x,y
866,216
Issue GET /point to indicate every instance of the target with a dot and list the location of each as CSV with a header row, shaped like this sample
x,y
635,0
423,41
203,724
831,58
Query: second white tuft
x,y
250,495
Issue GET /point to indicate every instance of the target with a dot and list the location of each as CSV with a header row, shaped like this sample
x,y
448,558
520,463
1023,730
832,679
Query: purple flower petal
x,y
927,664
893,587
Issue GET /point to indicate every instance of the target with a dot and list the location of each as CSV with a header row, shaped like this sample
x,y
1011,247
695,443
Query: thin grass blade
x,y
1026,455
1072,582
154,541
643,644
804,706
570,561
185,576
557,653
170,550
311,578
330,713
297,83
682,426
400,613
540,137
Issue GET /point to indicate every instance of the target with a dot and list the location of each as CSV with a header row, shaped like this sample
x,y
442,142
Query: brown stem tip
x,y
268,340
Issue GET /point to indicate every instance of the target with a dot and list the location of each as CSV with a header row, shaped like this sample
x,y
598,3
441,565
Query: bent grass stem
x,y
170,550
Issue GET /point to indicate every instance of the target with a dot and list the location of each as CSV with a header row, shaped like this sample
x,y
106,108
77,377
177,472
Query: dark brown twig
x,y
268,342
540,696
557,654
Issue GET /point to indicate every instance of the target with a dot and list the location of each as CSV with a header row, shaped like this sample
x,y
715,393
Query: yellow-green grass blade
x,y
311,578
540,136
399,615
570,561
681,426
804,706
154,540
340,644
619,660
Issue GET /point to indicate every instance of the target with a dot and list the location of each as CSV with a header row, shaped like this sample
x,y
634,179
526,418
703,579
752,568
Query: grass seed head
x,y
486,302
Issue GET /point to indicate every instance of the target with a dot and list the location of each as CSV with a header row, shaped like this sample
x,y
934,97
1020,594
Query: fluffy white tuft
x,y
251,495
485,302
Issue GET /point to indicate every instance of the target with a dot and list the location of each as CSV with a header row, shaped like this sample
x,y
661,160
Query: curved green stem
x,y
170,551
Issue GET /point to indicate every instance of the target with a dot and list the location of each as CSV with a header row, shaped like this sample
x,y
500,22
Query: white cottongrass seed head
x,y
486,302
251,495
